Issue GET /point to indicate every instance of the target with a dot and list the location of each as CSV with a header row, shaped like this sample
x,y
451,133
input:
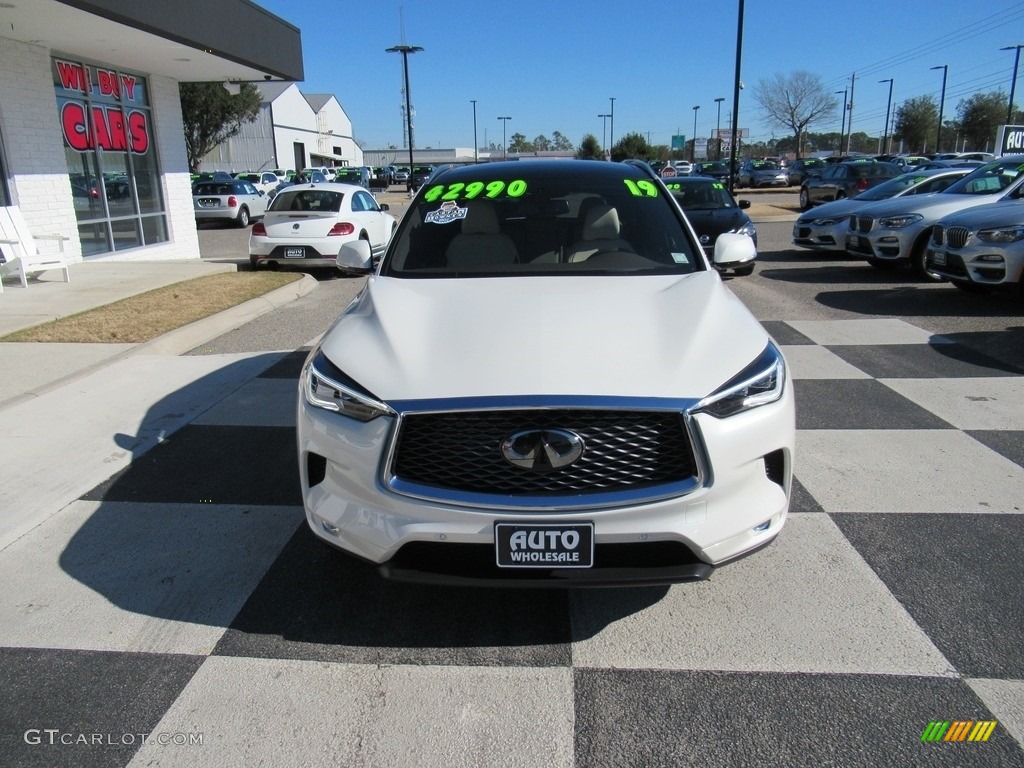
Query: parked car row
x,y
963,225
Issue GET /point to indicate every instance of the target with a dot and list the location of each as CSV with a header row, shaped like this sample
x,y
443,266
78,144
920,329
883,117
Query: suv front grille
x,y
624,451
957,237
862,224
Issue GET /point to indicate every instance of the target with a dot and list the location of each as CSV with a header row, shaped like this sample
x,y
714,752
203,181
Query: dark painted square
x,y
801,500
213,465
784,333
317,603
858,404
923,361
642,718
1008,443
288,367
116,695
959,577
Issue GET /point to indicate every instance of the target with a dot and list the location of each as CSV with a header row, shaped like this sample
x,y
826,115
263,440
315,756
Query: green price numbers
x,y
641,188
474,189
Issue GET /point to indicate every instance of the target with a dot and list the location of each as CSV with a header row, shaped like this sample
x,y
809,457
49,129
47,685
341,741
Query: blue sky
x,y
555,65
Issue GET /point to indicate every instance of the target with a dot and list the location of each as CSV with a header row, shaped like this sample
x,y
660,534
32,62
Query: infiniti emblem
x,y
542,450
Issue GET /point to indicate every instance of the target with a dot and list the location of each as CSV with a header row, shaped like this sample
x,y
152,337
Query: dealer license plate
x,y
547,545
852,241
294,253
938,258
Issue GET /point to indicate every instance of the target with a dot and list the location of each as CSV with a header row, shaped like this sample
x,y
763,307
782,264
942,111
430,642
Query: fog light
x,y
331,529
763,526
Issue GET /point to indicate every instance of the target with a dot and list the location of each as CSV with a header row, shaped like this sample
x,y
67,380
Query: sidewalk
x,y
31,369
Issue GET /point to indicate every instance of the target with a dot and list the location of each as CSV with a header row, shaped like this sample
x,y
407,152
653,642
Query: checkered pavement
x,y
184,598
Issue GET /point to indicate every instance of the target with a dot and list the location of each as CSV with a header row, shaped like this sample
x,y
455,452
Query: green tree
x,y
211,116
916,122
632,146
980,117
589,148
542,143
795,103
518,143
560,143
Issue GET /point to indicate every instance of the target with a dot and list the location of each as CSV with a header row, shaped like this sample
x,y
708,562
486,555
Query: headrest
x,y
481,220
602,223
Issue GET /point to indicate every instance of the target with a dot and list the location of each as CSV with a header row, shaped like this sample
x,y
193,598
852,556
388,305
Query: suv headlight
x,y
325,386
760,383
747,229
1002,235
898,222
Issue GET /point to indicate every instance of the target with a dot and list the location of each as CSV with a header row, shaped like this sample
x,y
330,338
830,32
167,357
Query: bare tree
x,y
795,102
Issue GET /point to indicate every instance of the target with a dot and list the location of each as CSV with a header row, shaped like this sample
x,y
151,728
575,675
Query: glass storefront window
x,y
110,148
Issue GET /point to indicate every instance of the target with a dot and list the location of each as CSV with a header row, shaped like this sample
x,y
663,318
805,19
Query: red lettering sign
x,y
107,129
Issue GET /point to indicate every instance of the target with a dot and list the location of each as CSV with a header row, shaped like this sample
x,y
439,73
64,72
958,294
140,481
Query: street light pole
x,y
734,142
504,140
476,146
693,145
942,104
611,137
842,123
405,50
604,132
888,107
1013,83
718,129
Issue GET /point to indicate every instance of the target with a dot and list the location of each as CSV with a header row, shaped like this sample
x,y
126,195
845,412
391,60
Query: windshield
x,y
990,178
764,165
892,187
535,219
307,199
692,196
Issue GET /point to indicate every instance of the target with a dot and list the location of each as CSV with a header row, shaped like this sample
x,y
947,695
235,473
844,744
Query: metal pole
x,y
888,107
405,50
734,143
604,131
842,122
693,142
476,146
1013,83
718,129
611,137
942,104
504,139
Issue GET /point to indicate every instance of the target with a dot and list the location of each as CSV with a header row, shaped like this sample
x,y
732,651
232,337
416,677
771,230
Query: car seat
x,y
481,242
600,233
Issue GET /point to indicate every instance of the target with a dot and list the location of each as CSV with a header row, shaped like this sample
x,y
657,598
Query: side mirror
x,y
733,249
384,207
356,257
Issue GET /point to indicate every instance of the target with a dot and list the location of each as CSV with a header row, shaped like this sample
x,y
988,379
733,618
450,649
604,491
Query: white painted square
x,y
906,471
806,603
808,361
305,713
117,576
871,331
968,403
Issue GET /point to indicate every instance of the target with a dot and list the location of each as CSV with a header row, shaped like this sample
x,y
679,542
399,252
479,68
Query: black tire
x,y
744,271
242,220
254,263
805,199
840,195
917,262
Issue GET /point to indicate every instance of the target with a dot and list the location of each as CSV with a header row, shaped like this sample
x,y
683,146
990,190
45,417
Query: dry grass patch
x,y
151,314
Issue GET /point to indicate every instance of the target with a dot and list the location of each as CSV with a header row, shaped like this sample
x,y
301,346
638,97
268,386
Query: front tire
x,y
805,199
918,266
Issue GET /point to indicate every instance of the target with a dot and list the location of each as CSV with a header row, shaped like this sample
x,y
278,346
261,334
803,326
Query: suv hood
x,y
932,206
1007,213
405,339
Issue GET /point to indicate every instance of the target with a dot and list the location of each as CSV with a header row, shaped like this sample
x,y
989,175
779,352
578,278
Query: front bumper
x,y
739,506
821,238
883,244
978,264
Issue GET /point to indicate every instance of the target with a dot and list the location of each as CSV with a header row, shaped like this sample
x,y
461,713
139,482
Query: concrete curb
x,y
187,337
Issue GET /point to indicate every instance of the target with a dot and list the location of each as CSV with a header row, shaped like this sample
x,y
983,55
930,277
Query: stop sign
x,y
668,172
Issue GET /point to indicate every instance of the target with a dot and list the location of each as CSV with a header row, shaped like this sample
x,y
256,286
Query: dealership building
x,y
92,143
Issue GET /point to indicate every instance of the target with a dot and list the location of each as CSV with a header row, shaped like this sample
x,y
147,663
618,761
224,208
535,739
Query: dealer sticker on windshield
x,y
548,545
446,214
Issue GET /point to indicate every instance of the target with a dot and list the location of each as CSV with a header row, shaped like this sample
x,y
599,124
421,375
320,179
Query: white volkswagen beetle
x,y
546,383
